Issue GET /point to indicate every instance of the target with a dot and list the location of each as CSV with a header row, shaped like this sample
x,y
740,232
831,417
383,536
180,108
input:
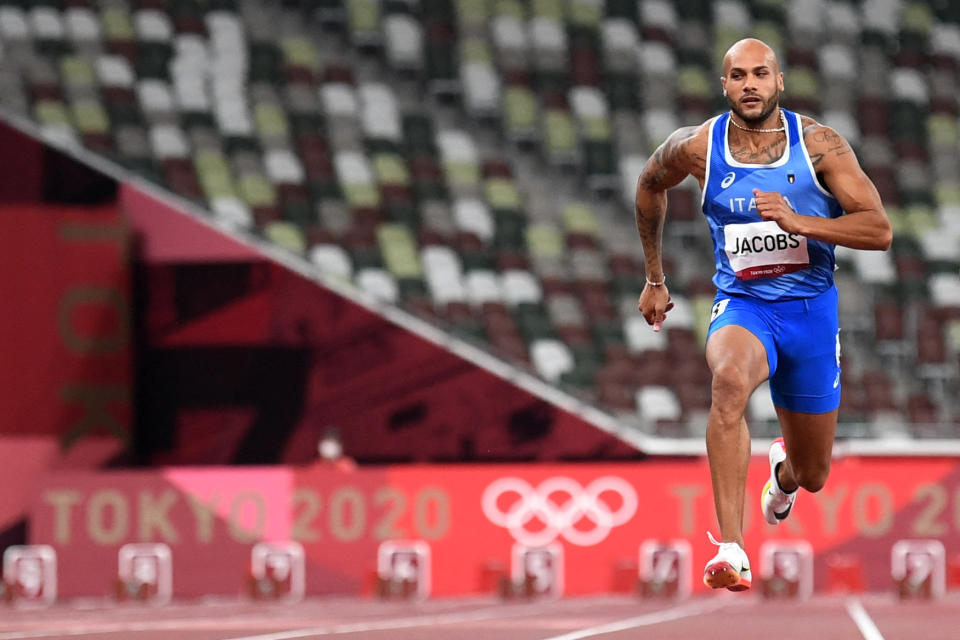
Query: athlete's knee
x,y
730,389
812,477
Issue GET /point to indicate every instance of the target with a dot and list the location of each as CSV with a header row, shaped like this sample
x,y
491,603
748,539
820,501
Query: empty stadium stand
x,y
474,163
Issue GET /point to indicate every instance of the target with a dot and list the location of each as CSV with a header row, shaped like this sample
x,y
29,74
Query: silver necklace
x,y
777,130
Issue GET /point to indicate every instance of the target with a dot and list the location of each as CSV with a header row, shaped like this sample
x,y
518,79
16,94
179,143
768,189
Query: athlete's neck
x,y
757,146
755,129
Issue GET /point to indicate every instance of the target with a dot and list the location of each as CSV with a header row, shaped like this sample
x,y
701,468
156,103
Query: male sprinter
x,y
779,191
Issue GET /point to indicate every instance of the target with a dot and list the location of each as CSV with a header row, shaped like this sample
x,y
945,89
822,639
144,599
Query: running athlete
x,y
780,190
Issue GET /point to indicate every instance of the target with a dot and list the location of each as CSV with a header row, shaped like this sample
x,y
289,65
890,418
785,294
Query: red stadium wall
x,y
66,384
211,517
241,360
66,335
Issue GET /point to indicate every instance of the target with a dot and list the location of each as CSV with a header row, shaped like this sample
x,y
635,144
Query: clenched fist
x,y
773,206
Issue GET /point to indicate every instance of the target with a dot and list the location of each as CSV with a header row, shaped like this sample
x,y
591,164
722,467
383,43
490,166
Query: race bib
x,y
764,250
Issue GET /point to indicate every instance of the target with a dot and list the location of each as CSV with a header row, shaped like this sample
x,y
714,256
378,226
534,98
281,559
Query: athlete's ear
x,y
780,81
723,85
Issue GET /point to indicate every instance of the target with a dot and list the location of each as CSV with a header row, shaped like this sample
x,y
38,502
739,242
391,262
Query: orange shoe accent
x,y
721,575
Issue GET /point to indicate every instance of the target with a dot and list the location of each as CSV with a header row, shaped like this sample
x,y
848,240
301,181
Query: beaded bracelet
x,y
656,284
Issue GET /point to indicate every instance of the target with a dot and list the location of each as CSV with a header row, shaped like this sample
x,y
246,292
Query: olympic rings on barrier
x,y
558,504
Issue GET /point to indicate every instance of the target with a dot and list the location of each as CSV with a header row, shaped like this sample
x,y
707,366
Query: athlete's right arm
x,y
680,155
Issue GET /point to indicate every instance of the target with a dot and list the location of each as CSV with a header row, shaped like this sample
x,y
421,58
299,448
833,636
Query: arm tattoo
x,y
650,227
653,181
652,178
699,164
827,136
836,145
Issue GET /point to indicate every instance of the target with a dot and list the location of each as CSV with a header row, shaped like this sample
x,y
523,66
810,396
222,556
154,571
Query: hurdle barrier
x,y
403,569
918,568
144,573
665,568
30,575
278,571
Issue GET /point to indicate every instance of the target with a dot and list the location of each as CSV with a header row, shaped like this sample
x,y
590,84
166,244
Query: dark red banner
x,y
65,335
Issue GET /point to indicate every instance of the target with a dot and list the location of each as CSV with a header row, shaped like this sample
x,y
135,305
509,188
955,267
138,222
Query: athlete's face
x,y
752,81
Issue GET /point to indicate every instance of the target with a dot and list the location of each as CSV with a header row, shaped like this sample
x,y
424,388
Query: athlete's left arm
x,y
865,224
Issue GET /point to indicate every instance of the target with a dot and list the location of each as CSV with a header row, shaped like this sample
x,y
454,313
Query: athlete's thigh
x,y
740,335
807,379
808,436
736,346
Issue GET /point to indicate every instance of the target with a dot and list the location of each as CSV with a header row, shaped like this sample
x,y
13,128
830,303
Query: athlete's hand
x,y
773,206
654,304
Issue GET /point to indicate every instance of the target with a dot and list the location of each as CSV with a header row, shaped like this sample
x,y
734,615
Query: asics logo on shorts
x,y
836,383
718,308
559,507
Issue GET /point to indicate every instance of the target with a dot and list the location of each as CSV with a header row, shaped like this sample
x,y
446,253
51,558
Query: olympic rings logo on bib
x,y
557,506
764,250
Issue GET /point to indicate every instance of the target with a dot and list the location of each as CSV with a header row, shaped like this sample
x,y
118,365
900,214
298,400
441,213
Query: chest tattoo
x,y
766,154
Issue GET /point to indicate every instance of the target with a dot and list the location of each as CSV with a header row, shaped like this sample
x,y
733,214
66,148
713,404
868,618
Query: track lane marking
x,y
395,623
868,629
646,620
453,617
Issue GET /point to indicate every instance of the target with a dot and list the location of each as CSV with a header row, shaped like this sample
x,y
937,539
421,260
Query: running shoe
x,y
774,501
730,568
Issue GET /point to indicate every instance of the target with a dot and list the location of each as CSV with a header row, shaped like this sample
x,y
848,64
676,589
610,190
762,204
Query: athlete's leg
x,y
806,391
808,438
738,362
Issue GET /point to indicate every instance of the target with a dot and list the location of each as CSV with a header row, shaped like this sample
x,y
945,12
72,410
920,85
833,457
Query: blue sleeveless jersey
x,y
769,264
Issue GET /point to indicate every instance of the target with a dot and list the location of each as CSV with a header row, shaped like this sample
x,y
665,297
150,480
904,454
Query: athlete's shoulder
x,y
692,136
823,142
817,133
686,148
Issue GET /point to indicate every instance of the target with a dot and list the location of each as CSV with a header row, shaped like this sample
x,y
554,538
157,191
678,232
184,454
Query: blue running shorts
x,y
802,340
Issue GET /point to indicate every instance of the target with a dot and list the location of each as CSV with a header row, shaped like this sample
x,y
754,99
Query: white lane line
x,y
117,627
454,617
395,623
864,622
646,620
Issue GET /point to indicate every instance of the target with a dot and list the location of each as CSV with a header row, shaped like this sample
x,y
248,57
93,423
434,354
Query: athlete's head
x,y
751,80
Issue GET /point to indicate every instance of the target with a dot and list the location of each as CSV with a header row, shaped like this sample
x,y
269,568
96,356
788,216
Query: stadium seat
x,y
620,44
403,42
442,271
658,20
286,236
481,82
551,358
399,250
482,287
656,403
14,27
379,283
639,338
520,113
363,20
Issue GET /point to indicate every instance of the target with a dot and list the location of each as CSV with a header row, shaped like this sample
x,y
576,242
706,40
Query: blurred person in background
x,y
780,191
330,451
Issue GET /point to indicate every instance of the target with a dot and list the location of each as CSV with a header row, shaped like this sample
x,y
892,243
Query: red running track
x,y
719,615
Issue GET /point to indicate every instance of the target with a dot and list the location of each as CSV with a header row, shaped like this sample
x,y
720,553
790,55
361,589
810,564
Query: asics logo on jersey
x,y
728,180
